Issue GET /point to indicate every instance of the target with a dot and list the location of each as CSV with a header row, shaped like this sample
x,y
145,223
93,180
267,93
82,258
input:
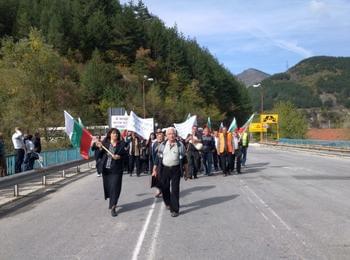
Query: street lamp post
x,y
143,94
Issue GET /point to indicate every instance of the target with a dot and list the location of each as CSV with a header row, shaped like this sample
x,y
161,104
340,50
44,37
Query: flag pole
x,y
108,151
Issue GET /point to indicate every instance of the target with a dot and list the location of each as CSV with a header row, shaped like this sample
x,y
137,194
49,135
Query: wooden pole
x,y
108,151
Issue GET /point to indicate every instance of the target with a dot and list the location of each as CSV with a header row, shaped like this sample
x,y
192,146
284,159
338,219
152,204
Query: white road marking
x,y
152,252
266,206
269,208
143,232
264,216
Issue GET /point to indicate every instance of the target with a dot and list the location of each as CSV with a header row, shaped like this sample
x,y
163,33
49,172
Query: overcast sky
x,y
269,35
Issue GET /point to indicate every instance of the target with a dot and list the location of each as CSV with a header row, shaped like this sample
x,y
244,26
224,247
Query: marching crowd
x,y
206,151
167,157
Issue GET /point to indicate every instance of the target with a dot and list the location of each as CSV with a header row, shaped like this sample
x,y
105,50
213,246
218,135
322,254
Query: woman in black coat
x,y
112,167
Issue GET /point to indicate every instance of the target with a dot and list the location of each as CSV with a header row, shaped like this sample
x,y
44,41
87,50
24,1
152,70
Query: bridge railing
x,y
16,180
48,158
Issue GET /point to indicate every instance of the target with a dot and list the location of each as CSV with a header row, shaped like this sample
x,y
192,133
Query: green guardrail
x,y
48,158
330,143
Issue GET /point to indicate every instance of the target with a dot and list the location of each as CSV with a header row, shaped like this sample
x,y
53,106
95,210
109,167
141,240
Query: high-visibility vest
x,y
245,139
228,143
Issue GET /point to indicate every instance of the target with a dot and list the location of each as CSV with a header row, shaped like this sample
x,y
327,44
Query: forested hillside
x,y
87,55
318,85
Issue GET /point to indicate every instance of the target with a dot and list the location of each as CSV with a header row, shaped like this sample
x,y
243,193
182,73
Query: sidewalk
x,y
25,189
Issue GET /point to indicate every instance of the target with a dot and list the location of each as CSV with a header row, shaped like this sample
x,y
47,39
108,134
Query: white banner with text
x,y
142,126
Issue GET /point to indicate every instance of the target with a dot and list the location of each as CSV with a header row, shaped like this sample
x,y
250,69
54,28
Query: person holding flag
x,y
112,154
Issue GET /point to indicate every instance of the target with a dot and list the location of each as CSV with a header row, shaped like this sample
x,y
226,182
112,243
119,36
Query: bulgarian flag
x,y
78,135
246,125
233,125
221,127
209,123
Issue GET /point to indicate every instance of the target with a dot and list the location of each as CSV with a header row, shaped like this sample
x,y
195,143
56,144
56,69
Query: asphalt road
x,y
286,204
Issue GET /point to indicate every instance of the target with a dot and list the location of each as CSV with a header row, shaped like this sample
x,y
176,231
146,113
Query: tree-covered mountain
x,y
252,76
319,85
87,55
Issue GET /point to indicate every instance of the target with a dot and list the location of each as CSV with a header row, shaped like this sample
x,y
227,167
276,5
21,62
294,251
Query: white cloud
x,y
292,28
293,47
318,7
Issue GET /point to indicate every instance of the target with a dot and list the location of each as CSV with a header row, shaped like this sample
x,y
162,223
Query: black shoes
x,y
113,212
174,214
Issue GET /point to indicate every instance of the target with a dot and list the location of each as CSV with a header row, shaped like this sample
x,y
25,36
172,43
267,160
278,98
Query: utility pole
x,y
143,93
259,85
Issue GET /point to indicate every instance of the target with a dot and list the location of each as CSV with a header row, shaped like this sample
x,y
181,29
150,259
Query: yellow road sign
x,y
269,118
257,128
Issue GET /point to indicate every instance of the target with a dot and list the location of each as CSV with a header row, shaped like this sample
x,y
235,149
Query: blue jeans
x,y
207,161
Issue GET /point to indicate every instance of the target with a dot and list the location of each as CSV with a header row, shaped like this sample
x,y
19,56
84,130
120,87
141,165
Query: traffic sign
x,y
257,128
269,118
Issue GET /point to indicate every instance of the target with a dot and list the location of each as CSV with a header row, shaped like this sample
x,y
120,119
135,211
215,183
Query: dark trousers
x,y
236,157
226,162
19,160
194,163
132,161
112,184
207,161
98,168
170,177
28,162
126,163
216,160
151,164
3,166
244,155
144,164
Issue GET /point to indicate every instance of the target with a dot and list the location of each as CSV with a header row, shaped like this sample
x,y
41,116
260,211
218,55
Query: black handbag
x,y
34,156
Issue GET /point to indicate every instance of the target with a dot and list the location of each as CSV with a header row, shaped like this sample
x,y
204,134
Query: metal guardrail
x,y
321,143
16,179
320,148
48,158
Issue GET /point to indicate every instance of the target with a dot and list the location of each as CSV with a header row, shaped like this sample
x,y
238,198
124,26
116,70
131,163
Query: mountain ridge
x,y
252,76
318,85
